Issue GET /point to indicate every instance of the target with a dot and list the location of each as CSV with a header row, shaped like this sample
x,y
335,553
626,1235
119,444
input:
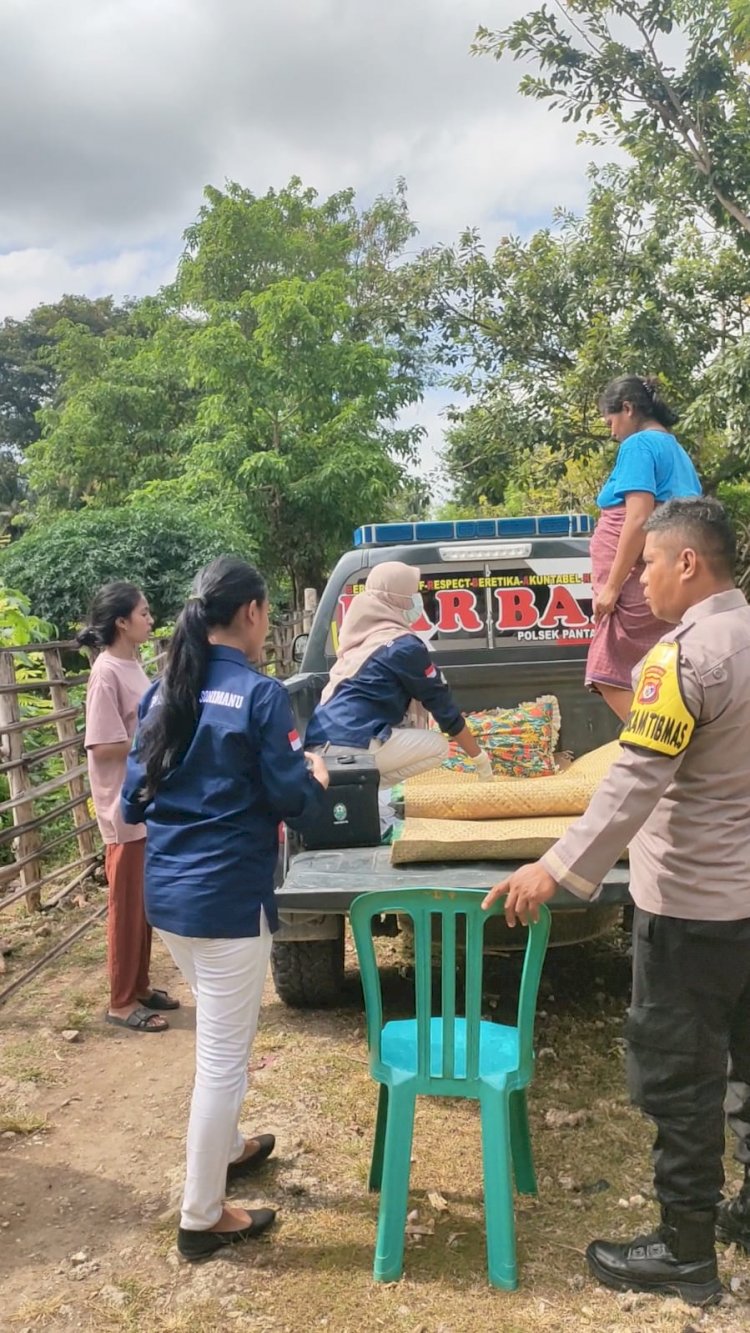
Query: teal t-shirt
x,y
653,461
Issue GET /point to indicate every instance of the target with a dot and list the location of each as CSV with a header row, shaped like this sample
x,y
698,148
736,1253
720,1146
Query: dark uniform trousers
x,y
688,1027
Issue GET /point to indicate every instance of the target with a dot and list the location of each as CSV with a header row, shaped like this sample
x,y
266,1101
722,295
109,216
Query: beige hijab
x,y
375,617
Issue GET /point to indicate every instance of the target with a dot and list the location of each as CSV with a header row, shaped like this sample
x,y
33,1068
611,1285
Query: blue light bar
x,y
473,529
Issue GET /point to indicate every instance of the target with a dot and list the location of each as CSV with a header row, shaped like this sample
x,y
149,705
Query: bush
x,y
59,565
736,497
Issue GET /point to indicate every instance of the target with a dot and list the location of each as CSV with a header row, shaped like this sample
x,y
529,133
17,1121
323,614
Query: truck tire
x,y
309,974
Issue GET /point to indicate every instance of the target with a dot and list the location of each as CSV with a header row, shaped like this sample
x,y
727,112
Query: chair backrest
x,y
449,913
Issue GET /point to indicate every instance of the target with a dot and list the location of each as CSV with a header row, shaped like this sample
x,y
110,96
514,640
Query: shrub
x,y
159,547
736,496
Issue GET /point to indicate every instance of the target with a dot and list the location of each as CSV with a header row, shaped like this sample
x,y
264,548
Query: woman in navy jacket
x,y
383,671
216,765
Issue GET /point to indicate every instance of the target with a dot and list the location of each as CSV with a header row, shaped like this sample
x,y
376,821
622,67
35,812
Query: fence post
x,y
18,782
67,730
310,606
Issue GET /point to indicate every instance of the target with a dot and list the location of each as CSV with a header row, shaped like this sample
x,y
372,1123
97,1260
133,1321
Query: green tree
x,y
267,383
29,379
304,361
28,376
121,414
609,63
683,296
533,331
60,564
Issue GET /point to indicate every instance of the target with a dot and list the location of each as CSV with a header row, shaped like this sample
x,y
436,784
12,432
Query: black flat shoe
x,y
238,1170
197,1245
159,999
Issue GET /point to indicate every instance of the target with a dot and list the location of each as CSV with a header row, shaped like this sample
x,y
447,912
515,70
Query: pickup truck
x,y
508,605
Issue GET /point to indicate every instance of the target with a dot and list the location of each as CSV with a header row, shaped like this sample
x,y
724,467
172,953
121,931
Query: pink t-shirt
x,y
115,689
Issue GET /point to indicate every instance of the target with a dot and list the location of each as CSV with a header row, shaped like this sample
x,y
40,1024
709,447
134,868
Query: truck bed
x,y
330,881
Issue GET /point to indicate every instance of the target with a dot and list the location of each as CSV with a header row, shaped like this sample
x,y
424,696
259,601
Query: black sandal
x,y
197,1245
141,1020
237,1170
159,999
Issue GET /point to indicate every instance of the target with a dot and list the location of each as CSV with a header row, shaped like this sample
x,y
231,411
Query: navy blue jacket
x,y
212,827
369,705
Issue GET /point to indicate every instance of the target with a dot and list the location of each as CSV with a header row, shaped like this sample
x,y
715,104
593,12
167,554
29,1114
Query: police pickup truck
x,y
508,606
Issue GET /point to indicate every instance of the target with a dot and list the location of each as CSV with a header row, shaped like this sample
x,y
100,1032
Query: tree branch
x,y
686,125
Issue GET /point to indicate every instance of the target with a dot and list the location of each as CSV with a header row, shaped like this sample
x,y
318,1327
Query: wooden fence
x,y
41,730
46,822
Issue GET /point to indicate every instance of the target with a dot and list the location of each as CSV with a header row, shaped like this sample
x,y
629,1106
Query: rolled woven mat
x,y
464,797
477,840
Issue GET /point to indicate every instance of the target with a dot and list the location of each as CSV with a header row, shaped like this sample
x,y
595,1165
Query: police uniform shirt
x,y
369,705
679,794
212,827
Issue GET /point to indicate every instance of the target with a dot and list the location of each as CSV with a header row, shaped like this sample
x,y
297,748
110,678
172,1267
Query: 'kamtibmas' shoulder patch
x,y
659,719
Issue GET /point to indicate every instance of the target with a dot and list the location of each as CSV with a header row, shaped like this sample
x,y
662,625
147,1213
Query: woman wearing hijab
x,y
384,671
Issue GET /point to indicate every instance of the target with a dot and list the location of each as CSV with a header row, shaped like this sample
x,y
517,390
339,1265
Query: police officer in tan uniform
x,y
679,796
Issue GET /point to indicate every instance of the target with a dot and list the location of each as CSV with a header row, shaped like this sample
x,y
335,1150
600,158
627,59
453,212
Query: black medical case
x,y
348,814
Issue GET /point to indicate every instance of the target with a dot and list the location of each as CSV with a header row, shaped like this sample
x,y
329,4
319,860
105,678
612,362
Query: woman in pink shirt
x,y
120,623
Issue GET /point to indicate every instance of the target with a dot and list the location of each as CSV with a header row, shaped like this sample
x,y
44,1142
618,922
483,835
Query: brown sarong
x,y
624,637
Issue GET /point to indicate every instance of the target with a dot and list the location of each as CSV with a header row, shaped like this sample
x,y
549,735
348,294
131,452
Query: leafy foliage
x,y
609,63
534,331
653,279
29,376
60,565
119,416
17,624
266,383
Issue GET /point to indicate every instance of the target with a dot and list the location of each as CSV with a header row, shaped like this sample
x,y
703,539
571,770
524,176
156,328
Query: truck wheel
x,y
309,974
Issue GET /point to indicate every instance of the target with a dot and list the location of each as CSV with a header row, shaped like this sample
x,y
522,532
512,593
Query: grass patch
x,y
15,1119
28,1060
80,1011
91,948
39,1314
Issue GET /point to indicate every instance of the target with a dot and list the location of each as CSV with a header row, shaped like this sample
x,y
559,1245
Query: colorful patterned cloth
x,y
521,742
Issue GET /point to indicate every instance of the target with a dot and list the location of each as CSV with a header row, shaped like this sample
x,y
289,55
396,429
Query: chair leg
x,y
498,1189
376,1165
394,1196
520,1139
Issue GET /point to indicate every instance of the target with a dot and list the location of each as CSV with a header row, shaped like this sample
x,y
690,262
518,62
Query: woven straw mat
x,y
477,840
460,796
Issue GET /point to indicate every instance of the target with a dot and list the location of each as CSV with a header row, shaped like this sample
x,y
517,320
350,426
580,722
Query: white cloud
x,y
116,113
32,276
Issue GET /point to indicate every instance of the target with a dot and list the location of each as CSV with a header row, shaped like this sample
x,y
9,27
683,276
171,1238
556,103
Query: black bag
x,y
348,815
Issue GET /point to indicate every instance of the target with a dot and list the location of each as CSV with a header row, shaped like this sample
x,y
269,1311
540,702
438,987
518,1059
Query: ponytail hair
x,y
643,393
113,601
218,592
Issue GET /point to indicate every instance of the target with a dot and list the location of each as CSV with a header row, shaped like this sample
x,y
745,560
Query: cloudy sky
x,y
116,113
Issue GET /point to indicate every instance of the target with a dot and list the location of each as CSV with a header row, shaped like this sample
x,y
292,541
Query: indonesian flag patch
x,y
431,671
294,740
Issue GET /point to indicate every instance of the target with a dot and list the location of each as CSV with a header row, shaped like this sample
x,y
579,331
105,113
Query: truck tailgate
x,y
330,881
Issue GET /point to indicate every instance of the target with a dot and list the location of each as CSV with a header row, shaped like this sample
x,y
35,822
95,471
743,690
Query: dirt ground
x,y
91,1144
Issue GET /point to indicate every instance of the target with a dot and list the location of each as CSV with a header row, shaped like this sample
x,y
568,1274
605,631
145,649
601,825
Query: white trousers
x,y
226,978
408,751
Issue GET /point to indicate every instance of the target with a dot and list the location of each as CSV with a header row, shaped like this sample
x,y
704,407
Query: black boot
x,y
733,1217
678,1259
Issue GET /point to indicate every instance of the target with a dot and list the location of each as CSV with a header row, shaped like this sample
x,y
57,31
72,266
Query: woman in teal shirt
x,y
651,467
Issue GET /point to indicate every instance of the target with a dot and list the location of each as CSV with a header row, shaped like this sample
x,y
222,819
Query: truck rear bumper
x,y
321,883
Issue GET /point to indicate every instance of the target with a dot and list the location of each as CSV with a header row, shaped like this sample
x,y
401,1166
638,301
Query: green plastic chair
x,y
449,1055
